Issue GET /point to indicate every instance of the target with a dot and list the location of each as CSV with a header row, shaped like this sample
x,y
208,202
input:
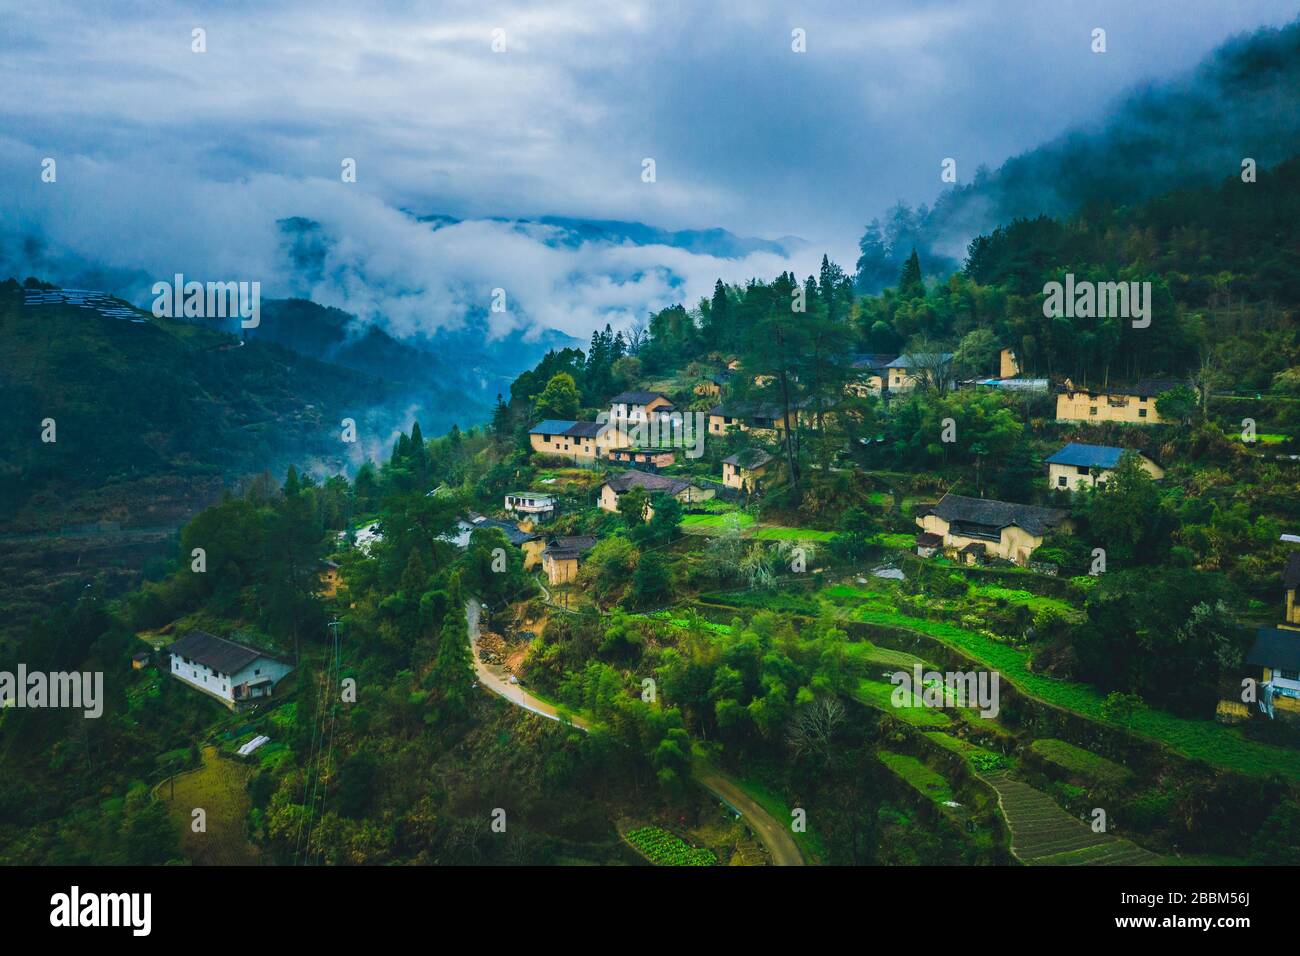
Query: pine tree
x,y
910,283
453,670
501,421
291,483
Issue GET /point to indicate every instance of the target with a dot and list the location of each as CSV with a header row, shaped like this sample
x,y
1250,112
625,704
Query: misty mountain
x,y
1242,101
453,362
568,232
152,416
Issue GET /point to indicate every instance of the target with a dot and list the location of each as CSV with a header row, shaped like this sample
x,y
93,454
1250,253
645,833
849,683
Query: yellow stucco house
x,y
584,443
744,470
1008,364
764,417
712,386
904,373
870,372
1078,465
679,488
1134,404
971,528
562,555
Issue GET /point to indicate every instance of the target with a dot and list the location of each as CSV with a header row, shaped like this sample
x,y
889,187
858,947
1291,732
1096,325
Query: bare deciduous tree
x,y
813,731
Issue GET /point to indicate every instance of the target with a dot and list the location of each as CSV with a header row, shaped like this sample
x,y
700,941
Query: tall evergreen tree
x,y
452,676
910,283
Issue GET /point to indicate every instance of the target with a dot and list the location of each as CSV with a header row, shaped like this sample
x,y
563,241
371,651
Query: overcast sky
x,y
170,160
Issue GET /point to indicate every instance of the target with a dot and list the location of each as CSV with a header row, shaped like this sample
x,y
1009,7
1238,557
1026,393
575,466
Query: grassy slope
x,y
1200,739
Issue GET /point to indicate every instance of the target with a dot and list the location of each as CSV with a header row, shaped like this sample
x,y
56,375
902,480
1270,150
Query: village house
x,y
1134,404
679,488
744,470
712,386
1008,364
232,673
1276,651
565,439
870,372
906,372
562,555
928,544
1078,464
329,579
537,507
1006,530
530,544
651,457
764,417
638,406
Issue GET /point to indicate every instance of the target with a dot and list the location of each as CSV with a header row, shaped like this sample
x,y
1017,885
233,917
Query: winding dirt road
x,y
773,834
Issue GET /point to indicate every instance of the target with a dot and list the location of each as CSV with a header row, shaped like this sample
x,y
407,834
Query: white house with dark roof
x,y
232,673
638,406
1078,464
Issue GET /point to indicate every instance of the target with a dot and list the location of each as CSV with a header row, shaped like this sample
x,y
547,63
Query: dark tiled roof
x,y
551,426
749,458
555,426
928,539
924,358
998,514
223,656
584,430
1146,388
1087,456
1275,647
975,547
635,398
511,530
874,361
562,548
1291,575
748,410
632,478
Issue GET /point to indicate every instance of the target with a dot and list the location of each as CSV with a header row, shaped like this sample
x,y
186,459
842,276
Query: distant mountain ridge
x,y
151,415
570,232
1242,101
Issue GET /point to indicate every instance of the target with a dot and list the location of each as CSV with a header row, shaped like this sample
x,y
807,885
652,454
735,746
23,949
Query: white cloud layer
x,y
170,160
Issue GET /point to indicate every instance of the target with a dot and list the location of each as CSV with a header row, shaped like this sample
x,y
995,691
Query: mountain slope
x,y
151,415
1242,101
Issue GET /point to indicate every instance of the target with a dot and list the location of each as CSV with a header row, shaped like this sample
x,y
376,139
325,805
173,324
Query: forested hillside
x,y
750,634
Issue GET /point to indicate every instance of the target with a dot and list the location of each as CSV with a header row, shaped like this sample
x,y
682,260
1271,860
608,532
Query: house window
x,y
1081,469
1286,675
1093,410
1142,413
1062,481
257,671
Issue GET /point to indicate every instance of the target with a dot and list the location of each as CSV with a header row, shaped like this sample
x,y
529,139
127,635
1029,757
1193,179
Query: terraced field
x,y
1042,834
